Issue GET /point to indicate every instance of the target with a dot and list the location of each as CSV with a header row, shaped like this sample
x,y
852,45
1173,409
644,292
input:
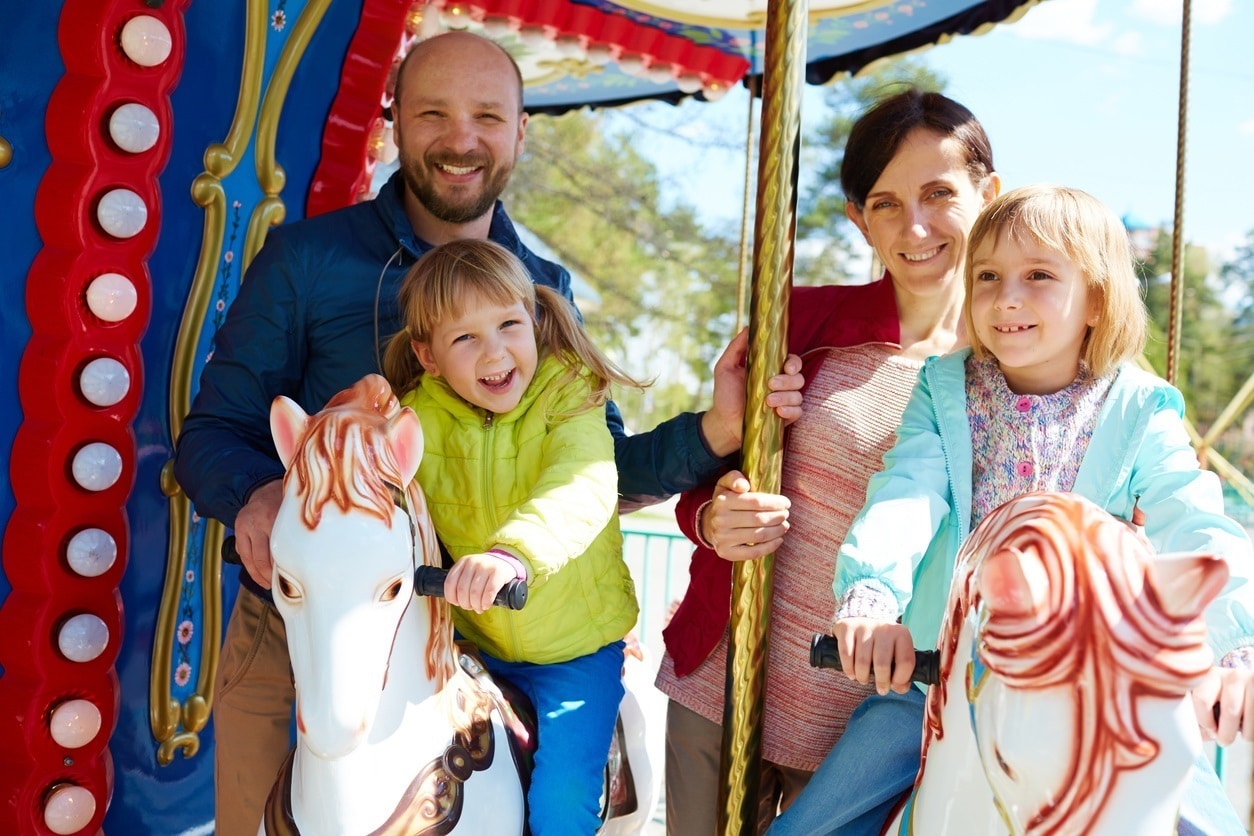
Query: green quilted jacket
x,y
547,490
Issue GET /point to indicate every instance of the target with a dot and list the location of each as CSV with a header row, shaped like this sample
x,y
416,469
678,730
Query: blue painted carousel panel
x,y
30,66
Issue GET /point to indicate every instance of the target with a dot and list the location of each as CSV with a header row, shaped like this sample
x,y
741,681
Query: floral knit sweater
x,y
1025,443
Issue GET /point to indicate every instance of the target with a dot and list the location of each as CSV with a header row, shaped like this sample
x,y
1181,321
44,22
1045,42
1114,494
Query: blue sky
x,y
1079,92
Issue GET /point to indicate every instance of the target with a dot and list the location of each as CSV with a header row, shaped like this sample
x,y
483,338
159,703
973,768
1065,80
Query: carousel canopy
x,y
594,53
577,53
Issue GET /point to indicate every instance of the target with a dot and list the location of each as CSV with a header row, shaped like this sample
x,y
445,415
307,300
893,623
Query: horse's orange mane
x,y
343,457
1101,635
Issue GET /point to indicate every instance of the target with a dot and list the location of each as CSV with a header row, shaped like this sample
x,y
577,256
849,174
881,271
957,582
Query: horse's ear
x,y
1013,583
287,423
404,435
1185,583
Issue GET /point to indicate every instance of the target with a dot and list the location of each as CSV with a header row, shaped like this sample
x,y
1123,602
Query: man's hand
x,y
475,579
723,425
879,653
253,525
740,524
1232,690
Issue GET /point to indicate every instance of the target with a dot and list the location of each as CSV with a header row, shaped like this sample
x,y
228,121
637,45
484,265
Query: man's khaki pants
x,y
693,744
252,711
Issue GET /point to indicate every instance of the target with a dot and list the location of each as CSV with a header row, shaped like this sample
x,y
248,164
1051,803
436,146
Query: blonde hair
x,y
438,288
1080,226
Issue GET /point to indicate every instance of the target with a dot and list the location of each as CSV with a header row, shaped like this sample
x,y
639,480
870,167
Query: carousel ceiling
x,y
577,53
594,53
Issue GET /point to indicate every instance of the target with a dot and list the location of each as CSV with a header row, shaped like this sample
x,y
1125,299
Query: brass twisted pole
x,y
1176,308
742,270
740,765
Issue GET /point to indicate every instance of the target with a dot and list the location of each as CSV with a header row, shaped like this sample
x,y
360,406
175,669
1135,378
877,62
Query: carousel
x,y
146,148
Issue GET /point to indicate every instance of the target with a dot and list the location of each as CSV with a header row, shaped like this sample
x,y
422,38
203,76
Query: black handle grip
x,y
429,580
823,654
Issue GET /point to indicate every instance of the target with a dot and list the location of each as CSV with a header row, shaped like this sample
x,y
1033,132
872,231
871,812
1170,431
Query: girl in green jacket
x,y
518,470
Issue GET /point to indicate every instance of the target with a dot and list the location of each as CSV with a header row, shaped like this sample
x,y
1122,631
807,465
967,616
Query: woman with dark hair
x,y
917,170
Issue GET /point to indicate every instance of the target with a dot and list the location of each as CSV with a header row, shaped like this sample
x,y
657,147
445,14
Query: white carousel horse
x,y
1065,665
397,732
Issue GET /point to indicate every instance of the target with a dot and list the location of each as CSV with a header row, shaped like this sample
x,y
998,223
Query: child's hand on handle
x,y
474,581
741,524
1222,701
873,652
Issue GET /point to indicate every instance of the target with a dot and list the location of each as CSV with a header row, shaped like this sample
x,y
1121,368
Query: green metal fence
x,y
658,560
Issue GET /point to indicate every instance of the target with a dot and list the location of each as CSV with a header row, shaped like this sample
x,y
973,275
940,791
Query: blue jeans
x,y
875,762
576,706
872,765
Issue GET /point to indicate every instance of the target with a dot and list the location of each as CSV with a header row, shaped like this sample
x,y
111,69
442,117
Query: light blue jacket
x,y
906,538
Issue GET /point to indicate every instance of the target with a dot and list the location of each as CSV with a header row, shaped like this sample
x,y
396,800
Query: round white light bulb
x,y
430,25
455,17
570,46
631,64
146,40
714,91
75,723
69,808
122,213
689,82
96,466
659,73
104,381
91,552
600,54
134,128
532,36
496,26
112,297
83,637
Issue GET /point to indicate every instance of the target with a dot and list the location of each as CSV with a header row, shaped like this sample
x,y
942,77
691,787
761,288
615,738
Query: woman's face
x,y
920,210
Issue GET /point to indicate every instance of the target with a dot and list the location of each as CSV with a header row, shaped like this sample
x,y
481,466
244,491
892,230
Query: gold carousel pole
x,y
740,769
742,271
1175,318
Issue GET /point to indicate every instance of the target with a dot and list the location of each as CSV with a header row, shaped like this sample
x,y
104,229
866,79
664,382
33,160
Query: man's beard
x,y
464,208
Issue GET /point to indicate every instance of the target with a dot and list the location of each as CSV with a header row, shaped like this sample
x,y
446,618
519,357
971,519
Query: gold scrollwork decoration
x,y
176,726
269,174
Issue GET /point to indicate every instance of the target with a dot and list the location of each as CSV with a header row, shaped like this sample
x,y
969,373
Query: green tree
x,y
666,284
1212,362
1238,279
1237,276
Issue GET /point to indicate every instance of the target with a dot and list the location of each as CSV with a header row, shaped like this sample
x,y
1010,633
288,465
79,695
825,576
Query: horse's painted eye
x,y
288,589
1005,767
392,591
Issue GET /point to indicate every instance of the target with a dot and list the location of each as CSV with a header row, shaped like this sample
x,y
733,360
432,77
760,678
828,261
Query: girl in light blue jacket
x,y
1045,399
